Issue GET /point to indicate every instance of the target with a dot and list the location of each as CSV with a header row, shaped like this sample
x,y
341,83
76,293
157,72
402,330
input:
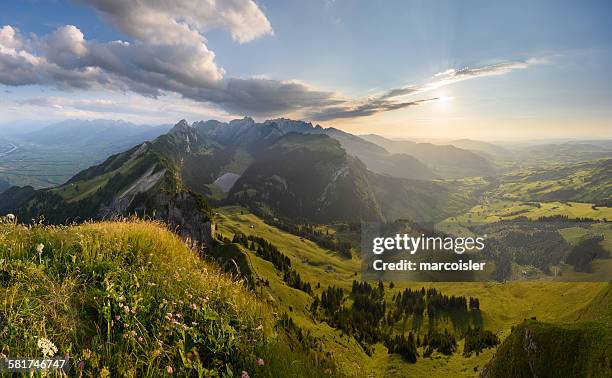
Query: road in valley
x,y
13,148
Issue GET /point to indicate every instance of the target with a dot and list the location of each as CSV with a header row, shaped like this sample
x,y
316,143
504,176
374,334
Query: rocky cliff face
x,y
183,213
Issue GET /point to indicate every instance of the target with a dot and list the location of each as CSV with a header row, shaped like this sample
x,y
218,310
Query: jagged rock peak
x,y
246,121
182,125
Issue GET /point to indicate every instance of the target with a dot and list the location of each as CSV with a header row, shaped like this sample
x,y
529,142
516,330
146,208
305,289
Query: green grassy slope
x,y
130,299
502,305
550,350
583,182
578,345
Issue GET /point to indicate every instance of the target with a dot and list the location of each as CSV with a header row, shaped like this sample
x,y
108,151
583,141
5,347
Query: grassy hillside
x,y
551,350
578,345
128,298
599,309
502,305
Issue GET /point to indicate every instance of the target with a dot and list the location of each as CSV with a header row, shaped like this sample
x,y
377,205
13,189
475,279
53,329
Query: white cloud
x,y
169,57
183,21
394,99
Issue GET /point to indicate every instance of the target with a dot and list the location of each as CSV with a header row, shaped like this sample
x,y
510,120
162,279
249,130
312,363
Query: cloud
x,y
392,99
183,21
167,55
364,109
452,76
65,59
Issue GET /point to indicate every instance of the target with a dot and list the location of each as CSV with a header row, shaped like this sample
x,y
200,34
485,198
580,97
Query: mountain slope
x,y
129,298
488,149
582,348
445,161
309,177
288,168
375,157
53,154
143,180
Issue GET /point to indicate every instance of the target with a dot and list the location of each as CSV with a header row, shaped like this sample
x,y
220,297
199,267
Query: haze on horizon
x,y
438,69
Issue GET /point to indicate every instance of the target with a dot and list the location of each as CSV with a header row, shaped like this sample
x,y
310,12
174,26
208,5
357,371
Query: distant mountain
x,y
379,160
376,158
49,156
445,161
305,176
4,185
488,149
143,180
102,135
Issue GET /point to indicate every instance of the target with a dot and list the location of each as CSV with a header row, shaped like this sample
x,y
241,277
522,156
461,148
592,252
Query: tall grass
x,y
125,298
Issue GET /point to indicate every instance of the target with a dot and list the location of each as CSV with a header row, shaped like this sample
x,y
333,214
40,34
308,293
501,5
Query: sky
x,y
409,69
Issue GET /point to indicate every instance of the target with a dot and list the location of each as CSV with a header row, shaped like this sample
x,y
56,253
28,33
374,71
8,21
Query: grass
x,y
502,305
505,210
87,275
547,350
128,298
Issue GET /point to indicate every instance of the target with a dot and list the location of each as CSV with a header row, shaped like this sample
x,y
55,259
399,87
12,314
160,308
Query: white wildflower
x,y
47,347
39,248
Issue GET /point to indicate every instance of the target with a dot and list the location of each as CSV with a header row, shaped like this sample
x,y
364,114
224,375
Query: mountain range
x,y
288,168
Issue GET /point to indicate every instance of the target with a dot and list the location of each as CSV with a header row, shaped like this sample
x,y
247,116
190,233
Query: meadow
x,y
503,305
129,298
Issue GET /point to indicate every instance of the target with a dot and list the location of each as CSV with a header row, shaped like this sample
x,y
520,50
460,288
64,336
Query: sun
x,y
443,101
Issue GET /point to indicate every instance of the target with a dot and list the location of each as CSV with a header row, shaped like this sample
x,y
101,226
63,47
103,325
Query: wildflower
x,y
194,306
193,324
140,339
259,327
10,217
120,305
125,325
126,309
125,335
117,317
81,365
47,347
260,362
169,369
244,374
121,299
39,249
156,352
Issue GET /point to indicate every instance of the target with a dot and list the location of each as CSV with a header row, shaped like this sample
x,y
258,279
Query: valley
x,y
278,206
502,305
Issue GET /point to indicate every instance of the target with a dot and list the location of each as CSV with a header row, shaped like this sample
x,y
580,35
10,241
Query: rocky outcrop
x,y
184,214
